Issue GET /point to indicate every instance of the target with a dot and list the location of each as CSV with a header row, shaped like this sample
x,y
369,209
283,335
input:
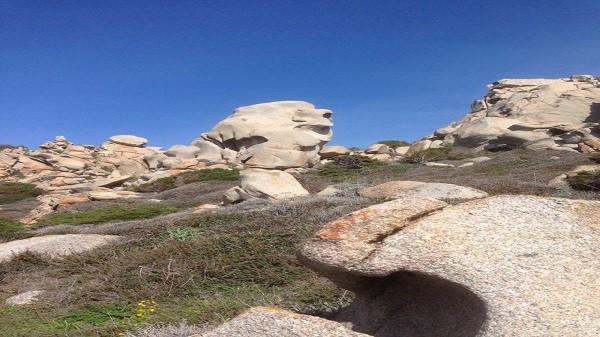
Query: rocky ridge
x,y
559,114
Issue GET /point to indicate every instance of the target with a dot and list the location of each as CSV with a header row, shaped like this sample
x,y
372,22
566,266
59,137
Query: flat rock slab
x,y
55,245
407,188
504,266
272,322
25,298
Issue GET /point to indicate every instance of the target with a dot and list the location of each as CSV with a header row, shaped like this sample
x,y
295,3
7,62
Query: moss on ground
x,y
12,192
122,212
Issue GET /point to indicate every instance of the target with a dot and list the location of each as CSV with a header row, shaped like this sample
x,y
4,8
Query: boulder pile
x,y
559,114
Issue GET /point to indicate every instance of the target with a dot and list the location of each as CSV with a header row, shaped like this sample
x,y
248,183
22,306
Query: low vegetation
x,y
585,181
394,143
11,230
130,211
206,175
348,168
439,154
204,270
12,192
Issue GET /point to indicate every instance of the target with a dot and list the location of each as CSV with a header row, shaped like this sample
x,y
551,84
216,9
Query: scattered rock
x,y
25,298
111,195
417,189
329,191
273,322
55,245
205,208
466,164
265,184
333,151
435,164
378,149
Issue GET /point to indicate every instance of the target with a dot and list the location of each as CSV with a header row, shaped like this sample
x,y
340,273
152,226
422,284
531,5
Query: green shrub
x,y
394,143
159,185
585,181
351,166
11,230
168,183
217,174
442,153
12,192
183,234
99,215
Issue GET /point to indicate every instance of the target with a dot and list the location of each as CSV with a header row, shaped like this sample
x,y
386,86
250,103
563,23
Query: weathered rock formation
x,y
560,114
276,135
493,267
499,266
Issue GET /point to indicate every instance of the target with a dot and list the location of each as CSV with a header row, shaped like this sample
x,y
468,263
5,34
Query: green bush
x,y
183,234
585,181
394,143
99,215
442,153
159,185
217,174
11,230
12,192
351,166
168,183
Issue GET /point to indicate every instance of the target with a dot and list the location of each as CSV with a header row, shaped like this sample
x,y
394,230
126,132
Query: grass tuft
x,y
12,192
11,230
123,212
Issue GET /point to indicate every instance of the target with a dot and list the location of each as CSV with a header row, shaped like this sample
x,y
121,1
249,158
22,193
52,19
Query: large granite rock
x,y
276,135
537,114
264,184
500,266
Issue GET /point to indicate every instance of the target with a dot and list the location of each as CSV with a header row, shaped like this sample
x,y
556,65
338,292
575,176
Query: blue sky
x,y
169,70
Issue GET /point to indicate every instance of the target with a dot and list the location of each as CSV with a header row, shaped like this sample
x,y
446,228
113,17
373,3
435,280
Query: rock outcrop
x,y
499,266
276,135
560,114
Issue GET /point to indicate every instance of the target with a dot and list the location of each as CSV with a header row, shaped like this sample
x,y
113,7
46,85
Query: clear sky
x,y
169,70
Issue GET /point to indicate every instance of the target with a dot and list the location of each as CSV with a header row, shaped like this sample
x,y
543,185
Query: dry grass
x,y
236,258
